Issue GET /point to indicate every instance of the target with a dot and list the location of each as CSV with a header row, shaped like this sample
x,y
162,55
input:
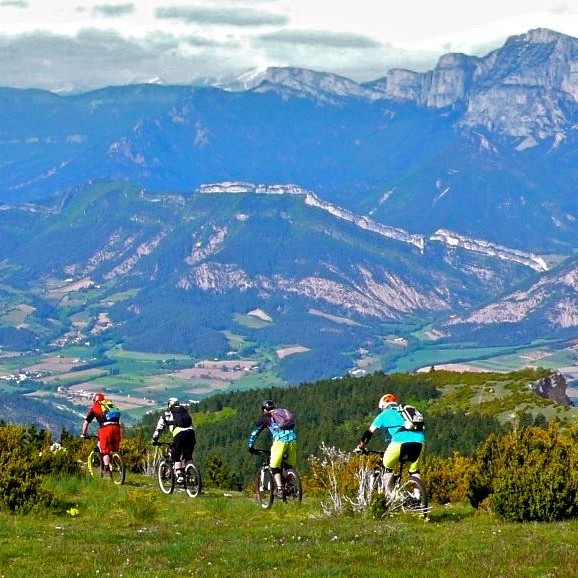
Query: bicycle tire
x,y
414,498
117,469
293,488
264,488
95,464
193,482
166,477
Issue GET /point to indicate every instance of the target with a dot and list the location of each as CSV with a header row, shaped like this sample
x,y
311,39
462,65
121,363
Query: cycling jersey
x,y
284,441
278,434
391,421
109,434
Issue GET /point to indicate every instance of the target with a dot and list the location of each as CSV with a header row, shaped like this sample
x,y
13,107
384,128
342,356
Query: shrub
x,y
528,474
134,453
141,506
21,485
218,474
446,479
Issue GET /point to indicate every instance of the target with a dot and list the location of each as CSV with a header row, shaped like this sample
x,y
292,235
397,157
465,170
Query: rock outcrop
x,y
552,387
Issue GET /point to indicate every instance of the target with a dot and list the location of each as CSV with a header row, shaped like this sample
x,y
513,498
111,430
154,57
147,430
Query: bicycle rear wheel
x,y
166,477
414,496
94,463
193,482
293,488
264,488
117,470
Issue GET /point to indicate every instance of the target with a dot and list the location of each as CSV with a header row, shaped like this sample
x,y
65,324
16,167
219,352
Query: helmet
x,y
97,397
268,405
172,402
387,400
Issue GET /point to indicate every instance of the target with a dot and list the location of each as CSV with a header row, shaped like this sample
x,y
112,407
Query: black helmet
x,y
268,405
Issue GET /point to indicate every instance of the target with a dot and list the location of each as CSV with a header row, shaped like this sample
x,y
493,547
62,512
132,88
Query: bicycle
x,y
96,468
265,484
167,480
409,493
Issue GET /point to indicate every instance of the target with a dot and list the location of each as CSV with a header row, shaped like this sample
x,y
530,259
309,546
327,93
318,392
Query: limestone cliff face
x,y
552,387
523,90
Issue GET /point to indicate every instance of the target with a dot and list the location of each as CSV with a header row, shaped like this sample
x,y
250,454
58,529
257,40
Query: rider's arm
x,y
161,425
259,427
87,420
367,435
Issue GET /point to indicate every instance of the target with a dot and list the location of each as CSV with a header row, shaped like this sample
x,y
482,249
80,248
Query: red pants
x,y
109,438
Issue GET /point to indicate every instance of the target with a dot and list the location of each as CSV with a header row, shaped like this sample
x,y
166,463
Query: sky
x,y
77,45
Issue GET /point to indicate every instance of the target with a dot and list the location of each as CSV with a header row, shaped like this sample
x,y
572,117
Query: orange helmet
x,y
97,397
387,400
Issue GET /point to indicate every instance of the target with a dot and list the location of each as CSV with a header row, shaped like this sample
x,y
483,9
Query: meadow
x,y
135,531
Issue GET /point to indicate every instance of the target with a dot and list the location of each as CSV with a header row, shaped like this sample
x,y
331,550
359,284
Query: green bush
x,y
528,474
218,474
446,479
20,480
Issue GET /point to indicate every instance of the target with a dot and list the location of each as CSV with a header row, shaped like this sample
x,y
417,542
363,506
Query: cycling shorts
x,y
412,450
280,450
109,438
183,445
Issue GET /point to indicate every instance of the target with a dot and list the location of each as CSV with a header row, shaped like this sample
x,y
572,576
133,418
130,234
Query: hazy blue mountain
x,y
485,146
341,213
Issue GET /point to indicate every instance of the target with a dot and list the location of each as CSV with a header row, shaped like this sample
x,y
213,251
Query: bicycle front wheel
x,y
264,488
94,463
166,477
293,488
414,496
117,470
193,482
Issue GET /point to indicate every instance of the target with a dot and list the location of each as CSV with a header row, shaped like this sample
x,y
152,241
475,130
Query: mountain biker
x,y
109,434
410,441
284,443
179,422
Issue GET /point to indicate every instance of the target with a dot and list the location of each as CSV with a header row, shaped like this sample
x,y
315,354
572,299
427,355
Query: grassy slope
x,y
216,535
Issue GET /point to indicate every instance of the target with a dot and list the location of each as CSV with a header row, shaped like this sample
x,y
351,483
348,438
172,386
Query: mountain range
x,y
347,215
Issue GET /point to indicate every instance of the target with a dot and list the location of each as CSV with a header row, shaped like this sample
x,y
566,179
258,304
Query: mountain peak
x,y
542,36
292,81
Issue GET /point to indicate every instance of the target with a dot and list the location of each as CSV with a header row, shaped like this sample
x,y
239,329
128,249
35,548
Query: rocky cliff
x,y
552,387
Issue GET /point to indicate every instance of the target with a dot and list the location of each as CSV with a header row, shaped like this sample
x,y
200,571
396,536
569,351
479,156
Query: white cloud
x,y
63,45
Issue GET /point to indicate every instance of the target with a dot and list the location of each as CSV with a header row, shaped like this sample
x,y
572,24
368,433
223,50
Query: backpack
x,y
283,418
413,418
181,416
109,410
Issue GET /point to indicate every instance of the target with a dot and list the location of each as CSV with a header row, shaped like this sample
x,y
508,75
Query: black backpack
x,y
181,416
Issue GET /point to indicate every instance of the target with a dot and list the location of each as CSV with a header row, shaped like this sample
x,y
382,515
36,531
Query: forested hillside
x,y
461,411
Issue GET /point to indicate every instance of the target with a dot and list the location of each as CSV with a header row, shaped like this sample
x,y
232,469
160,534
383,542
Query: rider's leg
x,y
414,466
277,450
390,461
104,449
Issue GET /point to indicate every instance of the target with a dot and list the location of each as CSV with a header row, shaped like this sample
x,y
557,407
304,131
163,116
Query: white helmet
x,y
172,402
387,400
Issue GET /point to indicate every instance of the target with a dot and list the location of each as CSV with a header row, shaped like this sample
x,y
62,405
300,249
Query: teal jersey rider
x,y
391,422
284,446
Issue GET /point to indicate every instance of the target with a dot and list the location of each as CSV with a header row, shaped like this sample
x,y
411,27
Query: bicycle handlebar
x,y
260,451
365,451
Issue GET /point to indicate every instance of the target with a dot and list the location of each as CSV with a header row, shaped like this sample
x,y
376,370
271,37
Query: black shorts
x,y
183,444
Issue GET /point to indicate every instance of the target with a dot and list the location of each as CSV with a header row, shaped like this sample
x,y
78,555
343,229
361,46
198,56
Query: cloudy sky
x,y
65,45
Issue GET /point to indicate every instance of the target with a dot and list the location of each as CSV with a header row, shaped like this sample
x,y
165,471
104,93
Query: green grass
x,y
134,531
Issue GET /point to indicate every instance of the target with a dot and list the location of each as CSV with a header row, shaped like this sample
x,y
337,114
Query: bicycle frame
x,y
409,493
166,475
96,466
265,483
